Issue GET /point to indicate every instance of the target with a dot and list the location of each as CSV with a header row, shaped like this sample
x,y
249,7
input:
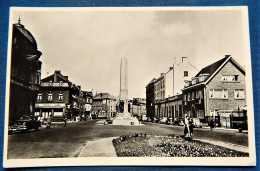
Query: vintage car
x,y
178,121
25,123
163,120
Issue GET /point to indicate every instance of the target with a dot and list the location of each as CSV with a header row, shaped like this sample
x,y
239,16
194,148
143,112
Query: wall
x,y
231,103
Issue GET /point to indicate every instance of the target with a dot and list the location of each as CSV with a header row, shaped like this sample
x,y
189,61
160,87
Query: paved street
x,y
68,141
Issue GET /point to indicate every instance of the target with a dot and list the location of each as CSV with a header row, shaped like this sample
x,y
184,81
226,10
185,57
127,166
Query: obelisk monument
x,y
124,117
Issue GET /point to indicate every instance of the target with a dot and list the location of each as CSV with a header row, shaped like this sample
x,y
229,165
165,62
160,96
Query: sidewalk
x,y
99,148
240,148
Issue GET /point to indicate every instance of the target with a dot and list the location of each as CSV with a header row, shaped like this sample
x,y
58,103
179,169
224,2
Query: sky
x,y
87,45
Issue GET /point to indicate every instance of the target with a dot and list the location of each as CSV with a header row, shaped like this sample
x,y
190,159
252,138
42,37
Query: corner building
x,y
25,73
217,92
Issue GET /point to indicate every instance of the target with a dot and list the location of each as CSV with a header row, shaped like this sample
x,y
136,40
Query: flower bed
x,y
169,146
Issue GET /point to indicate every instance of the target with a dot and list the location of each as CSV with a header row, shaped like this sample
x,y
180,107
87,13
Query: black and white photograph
x,y
129,86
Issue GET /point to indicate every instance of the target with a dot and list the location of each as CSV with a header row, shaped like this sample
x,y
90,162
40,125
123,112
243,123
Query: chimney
x,y
57,72
170,68
55,75
66,77
184,59
79,87
226,56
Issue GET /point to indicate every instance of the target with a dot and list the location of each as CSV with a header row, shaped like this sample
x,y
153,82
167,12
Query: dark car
x,y
25,123
178,121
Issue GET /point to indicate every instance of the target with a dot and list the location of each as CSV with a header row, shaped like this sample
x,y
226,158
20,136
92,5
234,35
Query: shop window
x,y
239,94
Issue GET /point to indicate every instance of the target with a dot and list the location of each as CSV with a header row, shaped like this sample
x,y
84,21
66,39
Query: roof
x,y
103,96
60,77
26,33
213,69
210,69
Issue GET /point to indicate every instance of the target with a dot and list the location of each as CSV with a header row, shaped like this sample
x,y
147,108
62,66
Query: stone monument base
x,y
125,120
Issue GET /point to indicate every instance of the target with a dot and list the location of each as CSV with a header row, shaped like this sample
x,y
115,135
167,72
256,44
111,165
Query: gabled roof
x,y
60,77
213,69
103,96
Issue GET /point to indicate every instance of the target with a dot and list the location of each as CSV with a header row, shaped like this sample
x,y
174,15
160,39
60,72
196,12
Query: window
x,y
49,98
188,96
186,74
229,78
200,114
192,96
60,96
39,97
218,93
239,94
50,83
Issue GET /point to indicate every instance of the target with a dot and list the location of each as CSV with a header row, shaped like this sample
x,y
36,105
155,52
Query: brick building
x,y
59,97
25,73
218,91
104,106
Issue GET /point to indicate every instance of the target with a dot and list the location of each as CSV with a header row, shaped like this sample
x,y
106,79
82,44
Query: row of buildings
x,y
217,91
54,96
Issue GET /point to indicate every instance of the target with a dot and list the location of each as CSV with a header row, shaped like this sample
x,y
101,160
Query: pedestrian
x,y
211,123
191,126
65,120
186,126
48,123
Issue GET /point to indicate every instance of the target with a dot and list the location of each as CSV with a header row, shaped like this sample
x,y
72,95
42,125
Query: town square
x,y
128,83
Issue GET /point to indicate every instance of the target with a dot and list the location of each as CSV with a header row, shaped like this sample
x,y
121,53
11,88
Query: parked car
x,y
155,119
197,123
25,123
178,121
163,120
169,121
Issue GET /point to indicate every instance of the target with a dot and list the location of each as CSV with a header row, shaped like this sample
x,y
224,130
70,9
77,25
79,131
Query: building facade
x,y
88,96
59,98
25,73
167,89
150,99
104,106
217,92
138,108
